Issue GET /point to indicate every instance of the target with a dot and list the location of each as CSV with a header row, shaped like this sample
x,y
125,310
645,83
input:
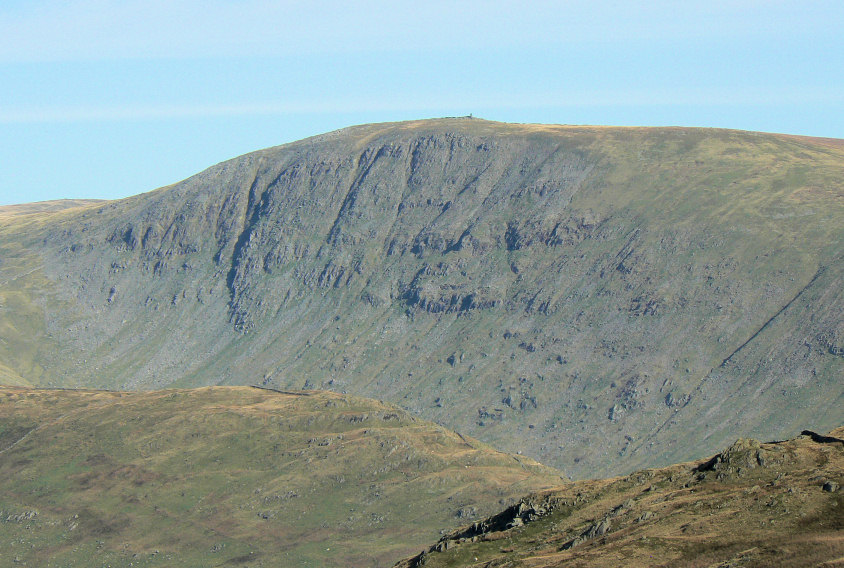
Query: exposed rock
x,y
468,512
744,454
10,517
598,529
644,516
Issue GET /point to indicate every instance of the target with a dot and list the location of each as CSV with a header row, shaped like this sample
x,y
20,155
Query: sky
x,y
106,99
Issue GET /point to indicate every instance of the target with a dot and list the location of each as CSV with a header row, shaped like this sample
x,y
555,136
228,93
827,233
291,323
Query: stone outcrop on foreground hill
x,y
774,504
601,299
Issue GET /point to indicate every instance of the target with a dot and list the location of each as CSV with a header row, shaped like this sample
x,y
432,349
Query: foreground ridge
x,y
754,504
223,476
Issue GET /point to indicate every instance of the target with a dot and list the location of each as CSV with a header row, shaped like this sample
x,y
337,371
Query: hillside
x,y
602,299
229,476
775,504
44,207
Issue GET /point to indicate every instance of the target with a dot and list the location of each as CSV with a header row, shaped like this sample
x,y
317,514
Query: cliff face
x,y
601,299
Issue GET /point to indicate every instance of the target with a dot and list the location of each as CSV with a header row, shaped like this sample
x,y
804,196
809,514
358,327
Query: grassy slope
x,y
757,505
234,476
25,289
44,206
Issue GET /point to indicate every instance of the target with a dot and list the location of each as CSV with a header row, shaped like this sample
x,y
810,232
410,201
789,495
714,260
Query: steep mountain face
x,y
601,299
226,476
774,504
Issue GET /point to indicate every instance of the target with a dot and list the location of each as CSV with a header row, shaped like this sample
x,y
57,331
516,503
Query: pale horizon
x,y
106,100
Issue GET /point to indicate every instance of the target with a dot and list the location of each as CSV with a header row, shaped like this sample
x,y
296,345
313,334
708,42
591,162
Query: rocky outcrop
x,y
767,502
524,511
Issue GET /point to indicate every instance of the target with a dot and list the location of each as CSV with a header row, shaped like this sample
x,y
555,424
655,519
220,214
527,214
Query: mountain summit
x,y
602,299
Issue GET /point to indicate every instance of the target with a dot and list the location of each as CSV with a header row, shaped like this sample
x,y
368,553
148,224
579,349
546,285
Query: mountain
x,y
775,504
226,476
601,299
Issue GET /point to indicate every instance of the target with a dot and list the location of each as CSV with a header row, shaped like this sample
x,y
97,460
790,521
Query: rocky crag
x,y
601,299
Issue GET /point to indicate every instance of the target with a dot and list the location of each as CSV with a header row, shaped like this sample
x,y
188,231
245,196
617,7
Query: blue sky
x,y
107,99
